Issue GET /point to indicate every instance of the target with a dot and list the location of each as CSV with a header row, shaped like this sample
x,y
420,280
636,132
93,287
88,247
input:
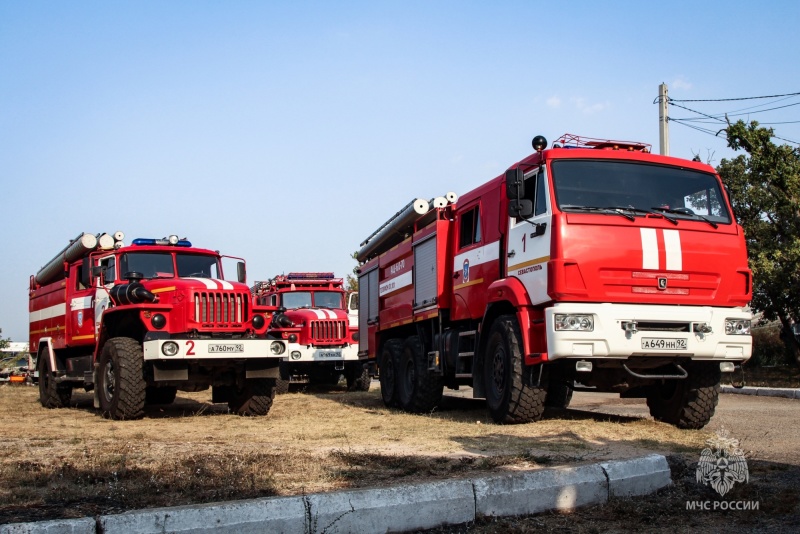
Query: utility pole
x,y
663,120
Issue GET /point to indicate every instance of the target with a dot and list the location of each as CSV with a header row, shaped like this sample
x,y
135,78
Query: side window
x,y
109,270
535,192
470,227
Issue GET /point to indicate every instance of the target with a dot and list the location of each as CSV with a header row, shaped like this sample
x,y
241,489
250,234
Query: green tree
x,y
4,342
765,192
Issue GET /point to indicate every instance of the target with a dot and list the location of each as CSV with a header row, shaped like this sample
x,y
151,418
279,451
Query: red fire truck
x,y
593,264
322,344
137,323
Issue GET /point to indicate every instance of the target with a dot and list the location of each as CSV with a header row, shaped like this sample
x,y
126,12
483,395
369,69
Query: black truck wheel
x,y
282,383
358,378
419,391
509,398
51,393
254,399
121,379
689,403
559,394
387,370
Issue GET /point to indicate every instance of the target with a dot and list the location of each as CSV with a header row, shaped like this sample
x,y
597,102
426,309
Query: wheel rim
x,y
109,380
499,371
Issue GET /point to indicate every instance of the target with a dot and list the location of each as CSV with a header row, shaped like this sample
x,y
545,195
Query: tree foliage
x,y
765,192
4,342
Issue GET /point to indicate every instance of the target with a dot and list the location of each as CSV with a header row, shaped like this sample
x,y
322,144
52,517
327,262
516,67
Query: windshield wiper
x,y
611,210
688,213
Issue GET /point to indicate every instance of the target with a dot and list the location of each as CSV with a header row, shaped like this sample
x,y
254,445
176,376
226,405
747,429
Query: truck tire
x,y
419,391
559,394
254,399
388,363
282,383
689,403
51,393
160,395
508,397
121,379
358,378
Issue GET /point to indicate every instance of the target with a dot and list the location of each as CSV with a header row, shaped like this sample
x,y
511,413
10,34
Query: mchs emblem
x,y
722,464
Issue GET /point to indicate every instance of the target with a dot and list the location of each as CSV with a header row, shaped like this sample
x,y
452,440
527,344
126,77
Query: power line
x,y
731,99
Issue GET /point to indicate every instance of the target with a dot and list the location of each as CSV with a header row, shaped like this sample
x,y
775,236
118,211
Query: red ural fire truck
x,y
137,323
591,264
322,344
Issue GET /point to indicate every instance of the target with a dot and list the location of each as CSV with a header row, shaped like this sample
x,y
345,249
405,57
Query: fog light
x,y
581,323
726,367
158,321
296,355
277,348
583,366
258,321
170,348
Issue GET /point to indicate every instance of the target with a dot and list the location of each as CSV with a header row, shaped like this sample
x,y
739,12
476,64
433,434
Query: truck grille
x,y
330,330
222,308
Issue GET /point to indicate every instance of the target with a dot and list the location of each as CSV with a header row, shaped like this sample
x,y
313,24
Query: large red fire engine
x,y
592,264
137,323
322,342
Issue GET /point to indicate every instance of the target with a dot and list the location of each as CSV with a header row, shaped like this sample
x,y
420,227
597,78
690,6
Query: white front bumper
x,y
208,349
296,352
610,340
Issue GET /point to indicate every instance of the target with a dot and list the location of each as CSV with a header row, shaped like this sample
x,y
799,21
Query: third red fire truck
x,y
313,318
591,264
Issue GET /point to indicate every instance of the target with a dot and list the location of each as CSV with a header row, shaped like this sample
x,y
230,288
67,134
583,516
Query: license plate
x,y
663,343
226,348
330,354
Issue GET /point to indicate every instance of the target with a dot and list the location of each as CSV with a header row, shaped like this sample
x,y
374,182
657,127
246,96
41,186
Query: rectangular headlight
x,y
573,322
737,327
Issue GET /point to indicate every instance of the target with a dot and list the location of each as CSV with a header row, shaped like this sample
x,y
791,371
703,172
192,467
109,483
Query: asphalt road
x,y
766,427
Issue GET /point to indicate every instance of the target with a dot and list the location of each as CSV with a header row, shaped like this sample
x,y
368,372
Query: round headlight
x,y
158,321
277,348
170,348
258,321
296,355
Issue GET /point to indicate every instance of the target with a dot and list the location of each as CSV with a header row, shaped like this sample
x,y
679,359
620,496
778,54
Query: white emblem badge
x,y
722,464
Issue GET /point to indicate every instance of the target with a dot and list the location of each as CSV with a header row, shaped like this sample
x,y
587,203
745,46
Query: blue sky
x,y
286,132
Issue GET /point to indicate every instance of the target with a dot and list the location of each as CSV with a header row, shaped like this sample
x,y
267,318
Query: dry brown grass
x,y
73,463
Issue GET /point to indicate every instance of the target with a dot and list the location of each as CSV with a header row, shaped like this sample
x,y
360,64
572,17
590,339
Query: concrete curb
x,y
394,509
787,393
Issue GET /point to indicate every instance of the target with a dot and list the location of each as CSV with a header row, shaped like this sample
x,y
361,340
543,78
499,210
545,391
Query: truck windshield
x,y
297,299
160,265
633,188
327,299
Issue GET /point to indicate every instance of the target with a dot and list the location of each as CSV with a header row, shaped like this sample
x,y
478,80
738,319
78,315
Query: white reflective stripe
x,y
58,310
649,248
319,313
478,256
206,282
672,246
330,314
393,284
224,283
80,303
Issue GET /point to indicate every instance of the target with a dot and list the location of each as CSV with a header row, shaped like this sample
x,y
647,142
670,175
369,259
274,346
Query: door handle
x,y
512,254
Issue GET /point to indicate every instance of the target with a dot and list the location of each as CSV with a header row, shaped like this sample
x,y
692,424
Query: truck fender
x,y
46,349
512,292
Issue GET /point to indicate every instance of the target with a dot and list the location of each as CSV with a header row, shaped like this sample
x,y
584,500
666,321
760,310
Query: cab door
x,y
528,245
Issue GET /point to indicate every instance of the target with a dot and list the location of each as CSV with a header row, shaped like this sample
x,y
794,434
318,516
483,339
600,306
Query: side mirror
x,y
515,185
86,272
521,209
241,272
